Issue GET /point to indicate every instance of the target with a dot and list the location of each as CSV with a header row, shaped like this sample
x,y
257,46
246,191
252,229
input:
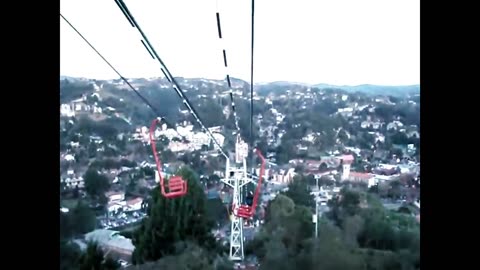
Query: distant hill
x,y
376,89
285,85
364,88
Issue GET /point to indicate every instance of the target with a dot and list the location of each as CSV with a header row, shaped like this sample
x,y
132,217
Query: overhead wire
x,y
221,37
123,7
252,141
155,111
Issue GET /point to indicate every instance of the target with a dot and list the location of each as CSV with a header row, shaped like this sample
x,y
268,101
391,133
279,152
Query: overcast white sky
x,y
342,42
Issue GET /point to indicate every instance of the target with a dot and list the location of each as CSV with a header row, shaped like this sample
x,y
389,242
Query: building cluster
x,y
117,202
341,166
194,140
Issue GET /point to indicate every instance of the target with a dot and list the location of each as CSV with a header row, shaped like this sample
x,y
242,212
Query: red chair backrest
x,y
175,184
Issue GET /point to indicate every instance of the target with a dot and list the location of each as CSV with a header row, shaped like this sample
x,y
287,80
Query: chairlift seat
x,y
177,187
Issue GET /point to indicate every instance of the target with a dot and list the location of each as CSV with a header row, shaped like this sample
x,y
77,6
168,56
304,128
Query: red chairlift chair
x,y
177,187
245,210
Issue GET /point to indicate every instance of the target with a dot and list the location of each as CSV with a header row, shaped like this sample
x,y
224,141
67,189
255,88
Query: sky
x,y
340,42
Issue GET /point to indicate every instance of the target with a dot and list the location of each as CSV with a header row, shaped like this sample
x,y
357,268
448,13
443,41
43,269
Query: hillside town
x,y
106,160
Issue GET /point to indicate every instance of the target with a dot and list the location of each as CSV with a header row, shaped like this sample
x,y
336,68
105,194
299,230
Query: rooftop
x,y
134,201
112,193
110,238
361,175
347,158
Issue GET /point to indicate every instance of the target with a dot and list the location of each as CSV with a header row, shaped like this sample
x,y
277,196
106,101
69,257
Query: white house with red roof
x,y
368,178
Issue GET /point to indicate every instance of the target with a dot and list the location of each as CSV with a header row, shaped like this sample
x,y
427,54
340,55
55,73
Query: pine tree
x,y
173,220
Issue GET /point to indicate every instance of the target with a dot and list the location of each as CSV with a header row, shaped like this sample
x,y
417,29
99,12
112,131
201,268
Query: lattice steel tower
x,y
236,177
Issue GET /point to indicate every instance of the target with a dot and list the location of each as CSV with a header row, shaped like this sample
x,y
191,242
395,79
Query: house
x,y
413,134
74,182
394,125
200,139
411,149
368,123
81,106
215,129
134,204
116,206
361,177
313,164
96,139
417,204
345,111
387,169
309,138
115,196
178,146
384,178
74,144
69,157
295,161
283,176
347,159
219,138
67,110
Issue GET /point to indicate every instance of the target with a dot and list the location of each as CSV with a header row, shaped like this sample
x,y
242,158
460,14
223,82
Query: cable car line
x,y
169,76
155,111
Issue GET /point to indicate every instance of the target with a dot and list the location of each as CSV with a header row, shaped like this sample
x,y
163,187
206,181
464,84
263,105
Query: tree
x,y
188,256
148,172
66,226
168,156
95,184
110,264
78,221
325,181
345,205
352,226
263,146
70,90
132,185
277,256
93,259
286,228
174,220
285,151
69,255
299,192
323,167
121,143
216,210
83,218
343,135
330,252
128,163
212,180
350,202
397,152
310,180
396,190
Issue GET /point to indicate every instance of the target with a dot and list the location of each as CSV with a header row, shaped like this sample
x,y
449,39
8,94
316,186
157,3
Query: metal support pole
x,y
316,219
